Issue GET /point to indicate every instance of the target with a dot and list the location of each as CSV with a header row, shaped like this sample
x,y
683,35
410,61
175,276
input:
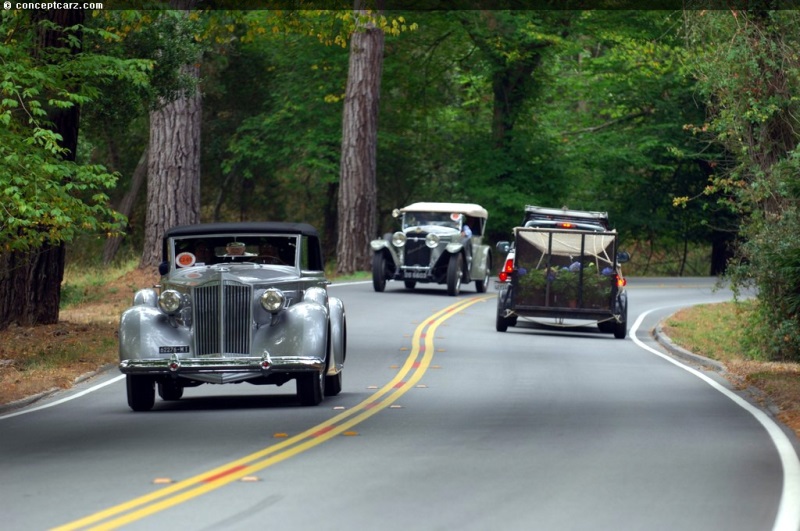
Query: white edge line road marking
x,y
66,399
788,517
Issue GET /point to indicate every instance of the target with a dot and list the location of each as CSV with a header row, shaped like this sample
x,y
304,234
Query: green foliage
x,y
749,84
772,265
44,197
286,143
438,138
164,41
616,112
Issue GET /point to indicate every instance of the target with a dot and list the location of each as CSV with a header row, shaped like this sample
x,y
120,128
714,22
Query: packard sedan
x,y
237,302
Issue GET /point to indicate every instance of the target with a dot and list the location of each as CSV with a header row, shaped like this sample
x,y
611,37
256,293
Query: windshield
x,y
439,219
259,249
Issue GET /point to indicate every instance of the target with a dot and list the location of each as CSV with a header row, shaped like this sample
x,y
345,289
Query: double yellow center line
x,y
408,376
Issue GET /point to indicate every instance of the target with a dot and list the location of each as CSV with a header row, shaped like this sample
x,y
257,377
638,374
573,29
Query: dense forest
x,y
682,125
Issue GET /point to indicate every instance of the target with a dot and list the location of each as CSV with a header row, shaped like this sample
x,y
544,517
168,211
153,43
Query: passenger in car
x,y
466,235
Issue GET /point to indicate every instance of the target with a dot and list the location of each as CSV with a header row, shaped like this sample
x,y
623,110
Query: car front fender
x,y
383,246
146,297
300,331
338,335
481,262
454,247
143,330
316,295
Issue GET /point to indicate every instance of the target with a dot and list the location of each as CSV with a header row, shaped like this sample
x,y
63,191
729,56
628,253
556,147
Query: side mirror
x,y
163,268
503,247
623,257
396,213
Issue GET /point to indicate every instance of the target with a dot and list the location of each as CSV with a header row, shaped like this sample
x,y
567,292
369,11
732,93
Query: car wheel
x,y
454,274
621,327
482,285
141,392
501,323
379,272
333,384
310,388
170,390
410,284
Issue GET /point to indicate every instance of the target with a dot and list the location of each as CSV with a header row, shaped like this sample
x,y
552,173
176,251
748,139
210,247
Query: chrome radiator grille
x,y
222,320
417,253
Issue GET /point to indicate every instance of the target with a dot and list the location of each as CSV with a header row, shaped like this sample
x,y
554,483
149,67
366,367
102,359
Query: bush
x,y
771,263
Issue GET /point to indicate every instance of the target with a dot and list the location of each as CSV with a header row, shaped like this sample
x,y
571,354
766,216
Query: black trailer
x,y
566,274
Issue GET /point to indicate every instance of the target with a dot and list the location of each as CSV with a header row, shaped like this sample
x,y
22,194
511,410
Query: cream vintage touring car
x,y
441,243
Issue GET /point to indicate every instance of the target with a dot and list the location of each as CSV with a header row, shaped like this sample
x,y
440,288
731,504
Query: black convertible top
x,y
254,227
313,248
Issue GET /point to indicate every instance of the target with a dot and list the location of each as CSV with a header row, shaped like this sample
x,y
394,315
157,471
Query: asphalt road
x,y
443,423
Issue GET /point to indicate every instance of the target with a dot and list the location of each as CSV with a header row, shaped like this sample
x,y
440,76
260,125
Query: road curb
x,y
680,352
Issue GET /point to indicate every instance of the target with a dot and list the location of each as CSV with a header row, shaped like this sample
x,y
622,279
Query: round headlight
x,y
170,301
432,240
272,300
398,239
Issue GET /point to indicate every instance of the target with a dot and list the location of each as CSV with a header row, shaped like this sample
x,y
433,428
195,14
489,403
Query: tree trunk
x,y
126,206
30,286
173,171
721,251
357,202
512,85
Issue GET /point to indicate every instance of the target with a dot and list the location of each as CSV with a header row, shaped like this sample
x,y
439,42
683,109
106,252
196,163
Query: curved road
x,y
443,423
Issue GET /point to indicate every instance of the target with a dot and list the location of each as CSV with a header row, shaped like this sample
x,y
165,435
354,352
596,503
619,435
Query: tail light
x,y
621,282
507,270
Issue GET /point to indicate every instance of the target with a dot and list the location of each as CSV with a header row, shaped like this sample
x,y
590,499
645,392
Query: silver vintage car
x,y
438,243
237,302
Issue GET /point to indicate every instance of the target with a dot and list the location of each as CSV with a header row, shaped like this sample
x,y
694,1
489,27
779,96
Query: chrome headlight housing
x,y
432,240
272,300
170,301
398,239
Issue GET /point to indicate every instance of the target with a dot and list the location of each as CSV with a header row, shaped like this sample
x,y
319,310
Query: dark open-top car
x,y
563,265
237,302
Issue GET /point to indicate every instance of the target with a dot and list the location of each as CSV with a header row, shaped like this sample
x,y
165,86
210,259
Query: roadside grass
x,y
34,360
713,330
330,274
84,284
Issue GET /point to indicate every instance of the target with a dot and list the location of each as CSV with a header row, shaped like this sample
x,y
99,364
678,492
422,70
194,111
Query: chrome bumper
x,y
263,365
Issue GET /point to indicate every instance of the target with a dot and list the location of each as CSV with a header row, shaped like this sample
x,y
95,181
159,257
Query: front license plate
x,y
416,274
180,349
